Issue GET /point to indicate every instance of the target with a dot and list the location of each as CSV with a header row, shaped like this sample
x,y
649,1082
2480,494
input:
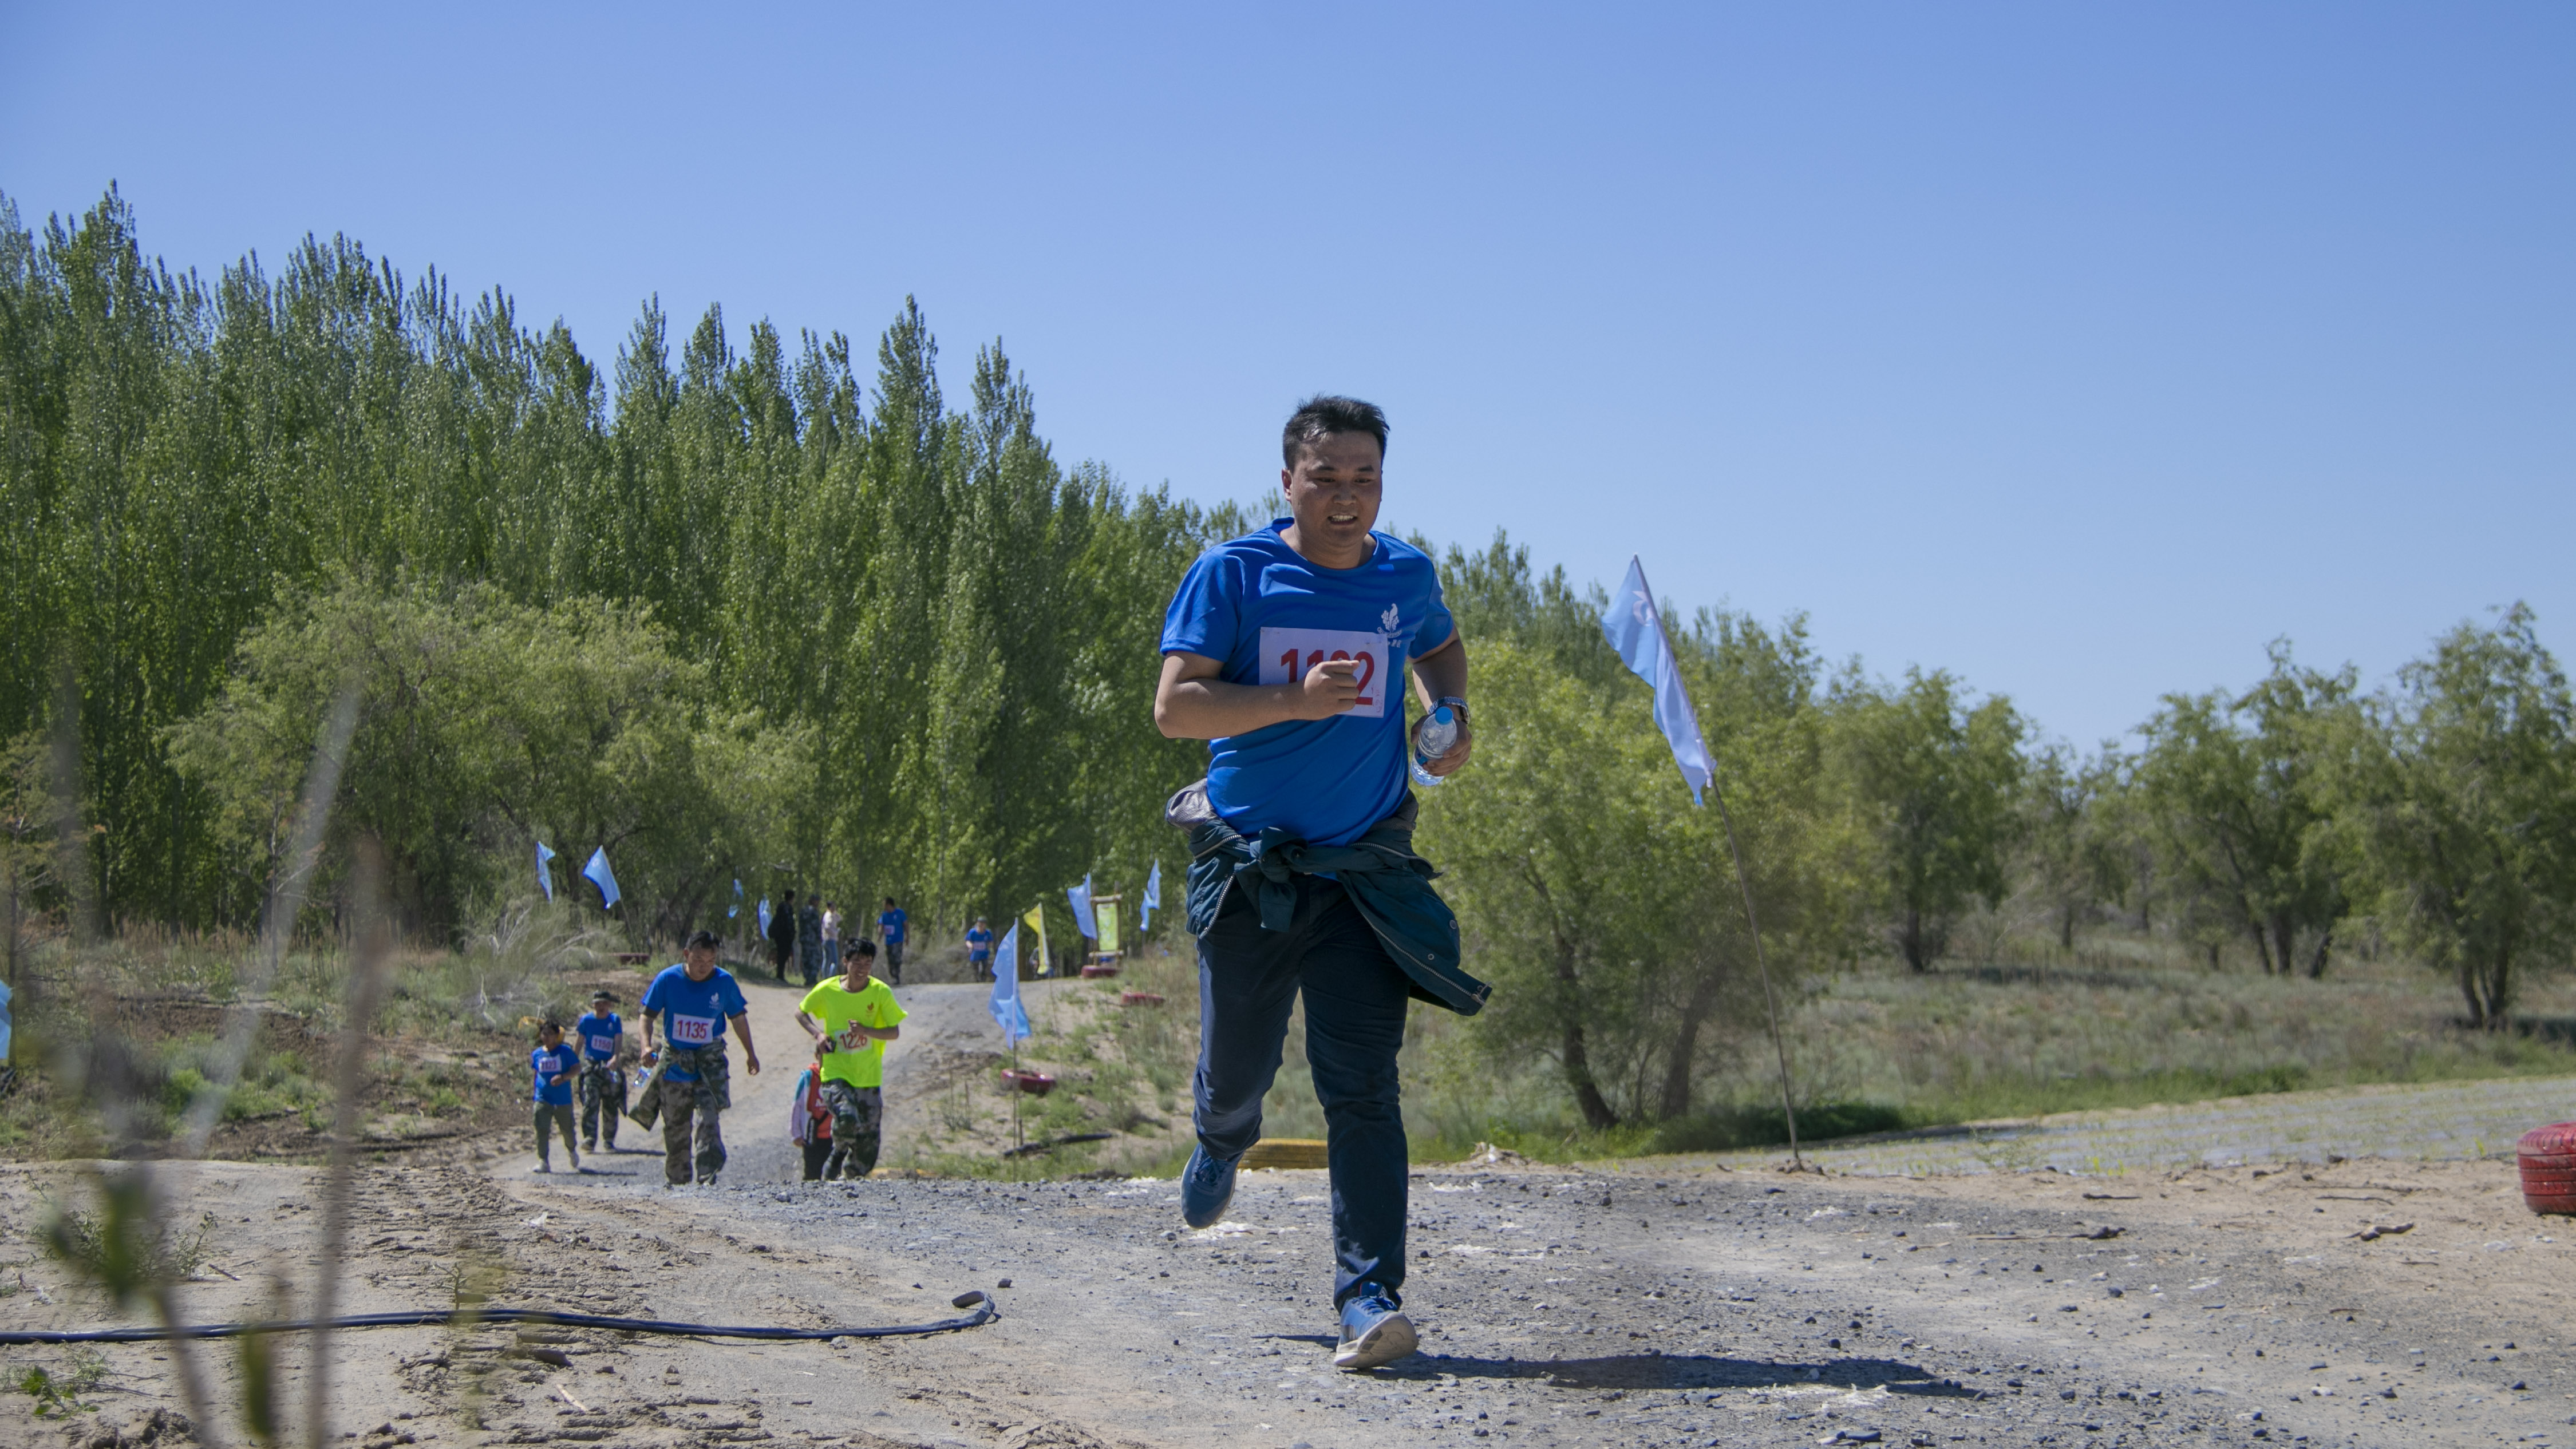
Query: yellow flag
x,y
1036,919
1105,915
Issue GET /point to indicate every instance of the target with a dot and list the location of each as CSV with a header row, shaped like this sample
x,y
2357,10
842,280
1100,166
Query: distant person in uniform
x,y
555,1065
782,935
851,1017
979,949
602,1034
695,1001
890,928
809,940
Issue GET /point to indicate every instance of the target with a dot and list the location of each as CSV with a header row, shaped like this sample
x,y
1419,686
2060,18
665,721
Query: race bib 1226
x,y
1288,655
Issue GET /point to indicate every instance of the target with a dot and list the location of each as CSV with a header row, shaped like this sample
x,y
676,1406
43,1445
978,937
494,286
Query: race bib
x,y
692,1030
1288,655
853,1040
604,1045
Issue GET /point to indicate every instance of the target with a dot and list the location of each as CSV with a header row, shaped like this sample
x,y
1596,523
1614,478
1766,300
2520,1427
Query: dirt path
x,y
1560,1308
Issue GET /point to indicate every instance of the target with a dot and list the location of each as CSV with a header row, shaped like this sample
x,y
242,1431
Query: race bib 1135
x,y
692,1030
1288,655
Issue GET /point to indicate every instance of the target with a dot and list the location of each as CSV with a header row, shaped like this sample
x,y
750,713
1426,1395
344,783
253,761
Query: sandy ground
x,y
1560,1307
1663,1302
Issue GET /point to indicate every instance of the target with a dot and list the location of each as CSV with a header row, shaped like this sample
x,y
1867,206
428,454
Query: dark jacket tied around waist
x,y
1384,878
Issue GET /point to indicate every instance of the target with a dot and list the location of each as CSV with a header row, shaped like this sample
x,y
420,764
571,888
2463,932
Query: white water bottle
x,y
1432,738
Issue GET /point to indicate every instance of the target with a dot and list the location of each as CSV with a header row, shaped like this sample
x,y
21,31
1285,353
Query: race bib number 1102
x,y
1288,655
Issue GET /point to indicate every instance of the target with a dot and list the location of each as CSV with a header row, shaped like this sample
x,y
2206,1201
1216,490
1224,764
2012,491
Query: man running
x,y
696,998
603,1082
1285,650
890,926
979,949
851,1017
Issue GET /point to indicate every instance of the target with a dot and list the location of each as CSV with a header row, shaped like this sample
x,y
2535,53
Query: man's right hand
x,y
1330,688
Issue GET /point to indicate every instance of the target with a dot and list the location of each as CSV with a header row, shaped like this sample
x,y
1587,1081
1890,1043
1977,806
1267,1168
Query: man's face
x,y
854,967
1333,494
699,962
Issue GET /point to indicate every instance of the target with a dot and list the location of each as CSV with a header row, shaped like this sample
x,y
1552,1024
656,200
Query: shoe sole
x,y
1388,1339
1216,1214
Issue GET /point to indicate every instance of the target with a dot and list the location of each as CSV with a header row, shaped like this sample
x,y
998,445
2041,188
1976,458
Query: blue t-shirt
x,y
560,1061
1271,616
599,1036
979,943
694,1013
890,925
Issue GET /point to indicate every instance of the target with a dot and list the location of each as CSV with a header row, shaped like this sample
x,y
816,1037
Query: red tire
x,y
2546,1157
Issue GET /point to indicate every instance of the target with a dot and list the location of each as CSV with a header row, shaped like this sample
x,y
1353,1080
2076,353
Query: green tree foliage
x,y
1938,779
1590,887
2459,789
2070,833
2232,788
948,618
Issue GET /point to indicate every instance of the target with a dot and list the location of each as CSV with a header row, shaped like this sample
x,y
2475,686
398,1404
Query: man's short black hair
x,y
864,947
703,941
1321,416
549,1025
889,900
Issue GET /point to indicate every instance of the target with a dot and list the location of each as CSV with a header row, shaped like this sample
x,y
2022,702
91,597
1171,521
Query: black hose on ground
x,y
440,1317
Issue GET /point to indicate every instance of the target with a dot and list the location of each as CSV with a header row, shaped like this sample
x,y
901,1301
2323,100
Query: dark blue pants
x,y
1355,1003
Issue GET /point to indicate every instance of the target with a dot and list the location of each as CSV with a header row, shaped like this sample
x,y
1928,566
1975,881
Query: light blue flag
x,y
598,873
1153,898
1008,1013
545,877
1635,627
764,917
735,909
1079,897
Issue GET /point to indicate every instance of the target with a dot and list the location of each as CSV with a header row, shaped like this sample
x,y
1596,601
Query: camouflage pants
x,y
858,1119
704,1100
603,1101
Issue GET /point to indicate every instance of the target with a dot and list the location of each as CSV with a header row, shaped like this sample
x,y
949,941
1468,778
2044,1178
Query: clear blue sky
x,y
2078,349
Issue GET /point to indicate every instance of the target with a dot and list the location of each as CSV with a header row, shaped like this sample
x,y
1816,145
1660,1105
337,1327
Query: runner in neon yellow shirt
x,y
851,1017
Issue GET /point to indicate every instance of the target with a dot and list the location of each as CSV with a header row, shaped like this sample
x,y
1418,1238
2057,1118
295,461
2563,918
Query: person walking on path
x,y
603,1080
851,1017
809,941
979,949
891,929
1286,650
782,935
555,1065
694,1000
809,1119
831,938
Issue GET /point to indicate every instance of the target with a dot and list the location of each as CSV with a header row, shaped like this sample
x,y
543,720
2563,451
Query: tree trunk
x,y
2285,934
1677,1072
2317,962
1909,937
2262,945
1578,1075
2066,928
2469,989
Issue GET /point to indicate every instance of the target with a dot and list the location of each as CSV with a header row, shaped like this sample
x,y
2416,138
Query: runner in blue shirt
x,y
890,928
695,999
602,1034
1286,650
554,1064
979,949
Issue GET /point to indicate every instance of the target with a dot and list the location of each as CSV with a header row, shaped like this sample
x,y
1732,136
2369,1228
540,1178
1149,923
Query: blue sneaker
x,y
1207,1185
1374,1331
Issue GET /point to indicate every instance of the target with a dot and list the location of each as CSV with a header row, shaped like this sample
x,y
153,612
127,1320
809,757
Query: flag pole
x,y
1744,885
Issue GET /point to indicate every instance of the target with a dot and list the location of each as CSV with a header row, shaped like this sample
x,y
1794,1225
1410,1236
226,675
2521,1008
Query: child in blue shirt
x,y
979,949
603,1083
555,1064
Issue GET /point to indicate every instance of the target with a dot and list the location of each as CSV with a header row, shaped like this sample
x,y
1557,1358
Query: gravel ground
x,y
1655,1305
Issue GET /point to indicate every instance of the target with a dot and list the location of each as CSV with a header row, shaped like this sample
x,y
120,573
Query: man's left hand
x,y
1448,764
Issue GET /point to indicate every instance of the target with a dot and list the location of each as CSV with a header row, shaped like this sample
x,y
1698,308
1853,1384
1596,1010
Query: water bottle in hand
x,y
1434,737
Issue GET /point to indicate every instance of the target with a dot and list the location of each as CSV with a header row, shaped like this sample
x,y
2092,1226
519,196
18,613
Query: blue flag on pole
x,y
735,909
1008,1013
598,873
764,917
1153,898
1635,627
1079,897
545,877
